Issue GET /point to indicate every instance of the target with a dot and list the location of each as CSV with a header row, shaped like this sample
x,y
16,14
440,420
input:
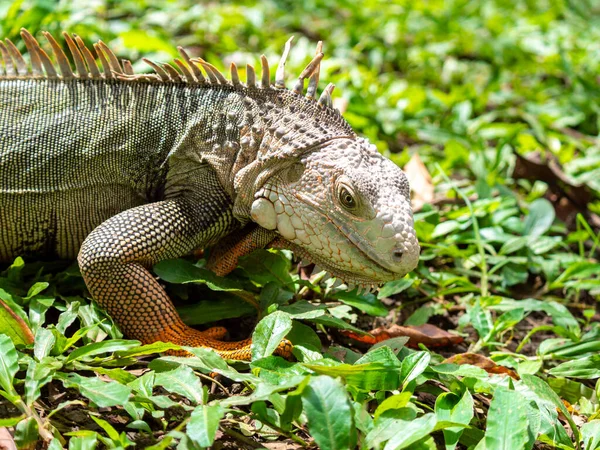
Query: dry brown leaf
x,y
420,182
482,362
427,334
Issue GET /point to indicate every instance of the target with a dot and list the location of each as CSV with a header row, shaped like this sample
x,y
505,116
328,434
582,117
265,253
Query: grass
x,y
499,100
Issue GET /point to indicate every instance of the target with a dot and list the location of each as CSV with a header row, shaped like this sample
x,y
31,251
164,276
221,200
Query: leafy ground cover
x,y
498,100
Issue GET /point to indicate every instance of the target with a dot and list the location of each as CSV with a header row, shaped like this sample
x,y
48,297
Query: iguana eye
x,y
347,198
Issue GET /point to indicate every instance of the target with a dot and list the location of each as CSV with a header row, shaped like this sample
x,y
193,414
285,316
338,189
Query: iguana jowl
x,y
123,170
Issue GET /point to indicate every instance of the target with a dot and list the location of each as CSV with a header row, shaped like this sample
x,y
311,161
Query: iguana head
x,y
346,208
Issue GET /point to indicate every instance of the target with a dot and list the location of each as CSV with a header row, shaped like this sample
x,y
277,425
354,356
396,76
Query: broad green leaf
x,y
103,394
264,266
371,376
587,368
367,303
9,365
268,334
97,348
88,442
590,433
507,422
546,393
329,413
181,271
397,401
107,427
148,349
394,287
409,432
451,407
387,425
413,366
39,374
203,424
26,433
14,326
540,218
181,381
44,341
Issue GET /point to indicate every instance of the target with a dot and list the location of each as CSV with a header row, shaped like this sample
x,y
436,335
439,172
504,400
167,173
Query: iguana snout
x,y
346,208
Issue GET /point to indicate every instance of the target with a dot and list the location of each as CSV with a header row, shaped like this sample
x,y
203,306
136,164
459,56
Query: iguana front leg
x,y
114,261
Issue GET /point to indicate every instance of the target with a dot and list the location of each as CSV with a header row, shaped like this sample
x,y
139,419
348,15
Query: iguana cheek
x,y
263,213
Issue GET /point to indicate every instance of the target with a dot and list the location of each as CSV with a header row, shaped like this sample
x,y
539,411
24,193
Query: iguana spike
x,y
77,58
280,73
10,69
250,76
61,58
164,76
127,67
313,82
173,74
89,58
266,73
235,77
189,78
307,72
195,69
105,64
20,63
32,47
113,62
213,73
325,98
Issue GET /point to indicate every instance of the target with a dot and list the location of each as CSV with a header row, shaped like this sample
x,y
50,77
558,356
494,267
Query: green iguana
x,y
123,170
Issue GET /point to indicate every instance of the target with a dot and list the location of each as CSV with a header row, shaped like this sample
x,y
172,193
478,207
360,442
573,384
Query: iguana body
x,y
123,171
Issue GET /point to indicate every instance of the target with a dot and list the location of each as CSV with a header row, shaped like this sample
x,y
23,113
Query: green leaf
x,y
394,287
263,266
369,377
546,393
44,341
413,366
9,365
587,368
203,424
181,381
507,421
181,271
409,432
268,334
540,218
590,433
97,348
329,413
103,394
26,433
87,442
450,407
14,326
366,303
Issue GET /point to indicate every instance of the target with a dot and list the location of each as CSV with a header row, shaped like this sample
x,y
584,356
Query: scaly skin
x,y
124,170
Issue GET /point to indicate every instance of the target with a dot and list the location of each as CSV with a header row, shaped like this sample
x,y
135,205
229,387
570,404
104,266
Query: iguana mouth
x,y
351,279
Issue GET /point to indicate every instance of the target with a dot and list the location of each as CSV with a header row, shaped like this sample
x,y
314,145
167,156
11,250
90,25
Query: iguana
x,y
123,170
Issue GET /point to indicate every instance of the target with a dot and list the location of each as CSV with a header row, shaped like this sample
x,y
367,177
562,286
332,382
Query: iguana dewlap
x,y
124,170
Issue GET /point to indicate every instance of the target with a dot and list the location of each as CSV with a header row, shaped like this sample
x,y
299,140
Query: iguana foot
x,y
211,338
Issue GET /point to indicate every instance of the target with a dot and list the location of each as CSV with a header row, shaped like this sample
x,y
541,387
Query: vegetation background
x,y
500,101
